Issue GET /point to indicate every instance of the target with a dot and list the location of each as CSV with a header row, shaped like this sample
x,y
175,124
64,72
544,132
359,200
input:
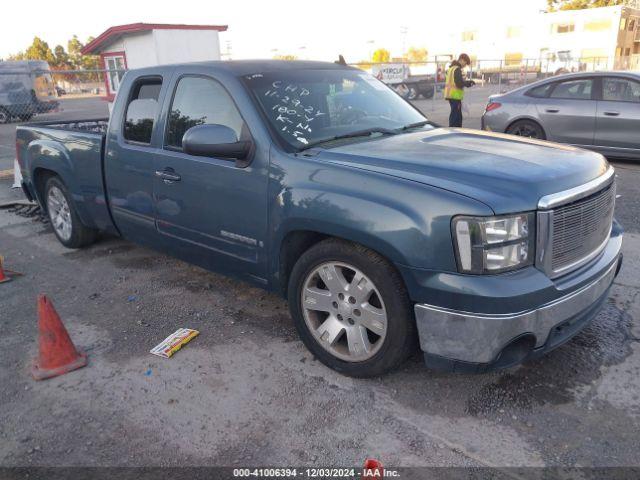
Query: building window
x,y
468,36
632,25
513,58
562,28
115,65
623,23
597,25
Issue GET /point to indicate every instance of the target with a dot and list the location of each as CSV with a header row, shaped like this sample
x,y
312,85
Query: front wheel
x,y
351,309
64,217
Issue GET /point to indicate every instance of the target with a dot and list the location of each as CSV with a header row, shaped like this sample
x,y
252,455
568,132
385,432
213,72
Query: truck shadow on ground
x,y
554,379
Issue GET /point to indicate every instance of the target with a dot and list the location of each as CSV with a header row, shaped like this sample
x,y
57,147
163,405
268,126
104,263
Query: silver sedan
x,y
597,110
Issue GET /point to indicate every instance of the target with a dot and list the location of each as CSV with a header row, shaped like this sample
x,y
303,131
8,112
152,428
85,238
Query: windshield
x,y
305,107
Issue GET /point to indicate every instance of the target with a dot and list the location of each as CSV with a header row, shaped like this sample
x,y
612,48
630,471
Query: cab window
x,y
142,111
198,101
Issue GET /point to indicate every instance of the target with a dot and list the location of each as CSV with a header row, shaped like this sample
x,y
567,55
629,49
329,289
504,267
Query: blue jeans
x,y
455,117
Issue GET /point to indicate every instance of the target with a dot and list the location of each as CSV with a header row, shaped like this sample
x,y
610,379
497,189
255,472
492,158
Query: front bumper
x,y
475,342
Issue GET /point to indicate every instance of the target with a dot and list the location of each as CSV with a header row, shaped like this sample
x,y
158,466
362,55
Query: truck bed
x,y
74,150
93,126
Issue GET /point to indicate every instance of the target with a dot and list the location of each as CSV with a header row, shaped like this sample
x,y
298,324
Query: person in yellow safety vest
x,y
454,86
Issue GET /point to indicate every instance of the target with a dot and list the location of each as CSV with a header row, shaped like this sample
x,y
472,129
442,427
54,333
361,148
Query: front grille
x,y
581,228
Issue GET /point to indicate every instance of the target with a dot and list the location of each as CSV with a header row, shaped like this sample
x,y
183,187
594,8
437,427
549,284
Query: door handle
x,y
612,114
552,110
168,176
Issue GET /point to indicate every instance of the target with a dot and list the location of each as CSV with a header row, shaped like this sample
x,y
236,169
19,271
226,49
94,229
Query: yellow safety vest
x,y
451,91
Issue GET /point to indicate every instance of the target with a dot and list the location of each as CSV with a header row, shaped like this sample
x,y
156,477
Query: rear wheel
x,y
413,93
64,217
351,309
527,128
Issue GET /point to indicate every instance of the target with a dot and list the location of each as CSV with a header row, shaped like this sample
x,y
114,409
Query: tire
x,y
4,116
413,93
429,92
527,128
26,117
64,218
394,338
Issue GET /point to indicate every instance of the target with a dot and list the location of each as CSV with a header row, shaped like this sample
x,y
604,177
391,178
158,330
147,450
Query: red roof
x,y
113,33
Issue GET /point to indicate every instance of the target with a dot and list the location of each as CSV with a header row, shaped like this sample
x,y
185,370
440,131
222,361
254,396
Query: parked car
x,y
26,88
317,181
597,110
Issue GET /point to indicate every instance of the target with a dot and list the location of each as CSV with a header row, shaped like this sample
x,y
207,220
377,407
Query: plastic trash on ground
x,y
174,342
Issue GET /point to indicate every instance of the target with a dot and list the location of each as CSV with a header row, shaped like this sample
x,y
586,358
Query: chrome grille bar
x,y
575,231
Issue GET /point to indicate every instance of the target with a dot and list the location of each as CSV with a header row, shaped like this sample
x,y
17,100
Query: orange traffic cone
x,y
3,276
57,354
372,469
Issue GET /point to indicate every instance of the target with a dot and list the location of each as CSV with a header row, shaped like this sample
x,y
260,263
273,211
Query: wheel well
x,y
293,246
40,177
526,120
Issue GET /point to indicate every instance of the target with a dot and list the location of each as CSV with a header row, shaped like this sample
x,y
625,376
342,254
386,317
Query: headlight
x,y
493,244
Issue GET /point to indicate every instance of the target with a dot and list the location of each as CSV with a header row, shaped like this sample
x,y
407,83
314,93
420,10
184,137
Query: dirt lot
x,y
246,392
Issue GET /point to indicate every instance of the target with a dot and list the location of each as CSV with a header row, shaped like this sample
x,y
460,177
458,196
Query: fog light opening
x,y
516,351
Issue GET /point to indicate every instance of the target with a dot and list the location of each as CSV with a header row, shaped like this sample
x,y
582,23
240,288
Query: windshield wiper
x,y
415,125
358,133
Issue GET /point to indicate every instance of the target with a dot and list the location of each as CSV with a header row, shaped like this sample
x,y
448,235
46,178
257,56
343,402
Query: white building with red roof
x,y
140,45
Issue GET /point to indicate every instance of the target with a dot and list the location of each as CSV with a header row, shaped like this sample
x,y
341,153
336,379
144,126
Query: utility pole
x,y
403,32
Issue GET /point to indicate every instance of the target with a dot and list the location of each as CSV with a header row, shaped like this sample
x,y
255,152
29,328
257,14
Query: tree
x,y
415,54
582,4
38,50
381,55
62,58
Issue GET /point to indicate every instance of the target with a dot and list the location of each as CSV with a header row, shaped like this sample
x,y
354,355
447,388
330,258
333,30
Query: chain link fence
x,y
48,95
422,83
27,95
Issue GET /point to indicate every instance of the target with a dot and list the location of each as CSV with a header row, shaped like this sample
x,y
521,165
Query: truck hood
x,y
509,174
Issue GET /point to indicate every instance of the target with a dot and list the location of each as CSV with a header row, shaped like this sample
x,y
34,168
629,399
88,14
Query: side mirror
x,y
213,140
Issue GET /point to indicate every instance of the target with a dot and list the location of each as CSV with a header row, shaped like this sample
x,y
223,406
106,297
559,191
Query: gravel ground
x,y
246,391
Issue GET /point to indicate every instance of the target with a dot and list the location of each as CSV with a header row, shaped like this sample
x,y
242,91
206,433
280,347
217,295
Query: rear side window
x,y
142,111
197,101
541,91
620,90
573,89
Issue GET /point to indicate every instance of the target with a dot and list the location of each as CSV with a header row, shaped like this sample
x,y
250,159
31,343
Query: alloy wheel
x,y
59,213
344,311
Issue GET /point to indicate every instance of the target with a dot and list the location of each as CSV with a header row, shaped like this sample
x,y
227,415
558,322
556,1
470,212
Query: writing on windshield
x,y
306,106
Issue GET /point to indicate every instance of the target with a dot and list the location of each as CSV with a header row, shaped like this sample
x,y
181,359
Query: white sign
x,y
391,73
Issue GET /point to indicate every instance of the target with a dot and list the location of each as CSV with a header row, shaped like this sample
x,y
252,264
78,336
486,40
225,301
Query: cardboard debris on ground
x,y
174,342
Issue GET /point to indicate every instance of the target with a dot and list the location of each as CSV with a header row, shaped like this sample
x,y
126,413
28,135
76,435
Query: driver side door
x,y
212,210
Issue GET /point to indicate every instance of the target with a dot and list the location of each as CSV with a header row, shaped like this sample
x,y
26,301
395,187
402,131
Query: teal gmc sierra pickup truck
x,y
317,181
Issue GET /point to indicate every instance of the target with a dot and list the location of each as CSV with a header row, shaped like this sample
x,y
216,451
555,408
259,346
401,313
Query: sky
x,y
261,29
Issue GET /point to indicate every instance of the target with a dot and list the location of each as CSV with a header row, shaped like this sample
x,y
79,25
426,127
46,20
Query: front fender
x,y
409,223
